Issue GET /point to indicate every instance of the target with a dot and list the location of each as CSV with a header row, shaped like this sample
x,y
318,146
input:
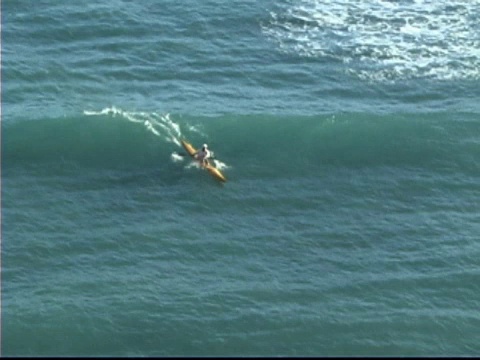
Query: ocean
x,y
349,134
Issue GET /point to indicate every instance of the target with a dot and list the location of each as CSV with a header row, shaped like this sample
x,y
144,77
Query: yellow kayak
x,y
211,169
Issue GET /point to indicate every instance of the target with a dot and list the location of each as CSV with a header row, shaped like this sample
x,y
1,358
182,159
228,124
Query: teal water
x,y
349,135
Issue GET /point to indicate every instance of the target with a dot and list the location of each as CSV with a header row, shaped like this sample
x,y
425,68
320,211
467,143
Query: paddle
x,y
183,154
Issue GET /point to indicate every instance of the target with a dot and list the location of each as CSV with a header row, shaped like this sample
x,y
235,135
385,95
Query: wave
x,y
116,138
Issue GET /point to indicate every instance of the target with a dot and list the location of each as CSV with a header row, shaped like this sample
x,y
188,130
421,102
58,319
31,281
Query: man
x,y
203,155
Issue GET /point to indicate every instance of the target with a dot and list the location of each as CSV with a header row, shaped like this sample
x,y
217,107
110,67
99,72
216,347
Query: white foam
x,y
220,165
193,164
159,125
384,39
176,157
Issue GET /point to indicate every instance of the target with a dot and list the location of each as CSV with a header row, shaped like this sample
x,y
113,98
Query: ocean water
x,y
349,133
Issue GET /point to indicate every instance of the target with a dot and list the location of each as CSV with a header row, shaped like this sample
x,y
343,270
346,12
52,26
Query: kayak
x,y
217,174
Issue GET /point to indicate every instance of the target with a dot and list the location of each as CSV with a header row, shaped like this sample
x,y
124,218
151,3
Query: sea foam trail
x,y
159,125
